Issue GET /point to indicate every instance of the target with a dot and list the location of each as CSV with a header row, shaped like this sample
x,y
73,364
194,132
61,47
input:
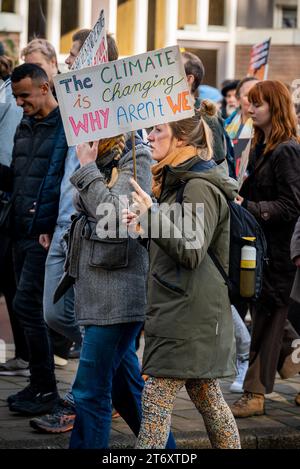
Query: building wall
x,y
125,27
255,13
283,64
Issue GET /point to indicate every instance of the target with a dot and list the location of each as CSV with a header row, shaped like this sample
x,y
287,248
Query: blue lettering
x,y
121,114
66,82
160,106
150,104
131,110
87,83
140,107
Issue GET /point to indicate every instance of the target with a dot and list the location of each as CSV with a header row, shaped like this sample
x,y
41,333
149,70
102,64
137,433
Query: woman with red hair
x,y
272,194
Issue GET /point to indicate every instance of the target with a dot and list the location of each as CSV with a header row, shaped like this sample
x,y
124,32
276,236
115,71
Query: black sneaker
x,y
75,351
24,395
61,419
38,404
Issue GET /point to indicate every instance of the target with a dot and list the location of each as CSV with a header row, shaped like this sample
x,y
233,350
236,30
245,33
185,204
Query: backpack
x,y
242,224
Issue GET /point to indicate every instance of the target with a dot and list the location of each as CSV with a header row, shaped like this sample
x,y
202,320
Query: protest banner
x,y
94,49
244,160
122,96
258,66
242,149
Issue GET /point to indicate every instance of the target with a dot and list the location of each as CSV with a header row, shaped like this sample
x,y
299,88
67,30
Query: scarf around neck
x,y
175,158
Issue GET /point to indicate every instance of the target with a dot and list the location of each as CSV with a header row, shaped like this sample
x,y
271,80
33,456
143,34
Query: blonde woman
x,y
188,328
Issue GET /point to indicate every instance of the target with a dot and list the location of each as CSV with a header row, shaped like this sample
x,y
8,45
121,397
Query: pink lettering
x,y
80,126
95,120
105,114
91,122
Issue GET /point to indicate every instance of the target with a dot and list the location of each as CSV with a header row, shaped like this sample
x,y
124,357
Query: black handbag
x,y
7,204
5,240
5,210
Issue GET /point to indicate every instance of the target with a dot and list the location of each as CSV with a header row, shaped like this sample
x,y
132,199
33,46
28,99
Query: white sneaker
x,y
237,385
59,361
15,367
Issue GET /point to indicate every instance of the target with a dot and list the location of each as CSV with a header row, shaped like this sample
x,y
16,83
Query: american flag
x,y
258,65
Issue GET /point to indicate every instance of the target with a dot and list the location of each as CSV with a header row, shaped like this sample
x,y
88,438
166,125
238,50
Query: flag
x,y
258,66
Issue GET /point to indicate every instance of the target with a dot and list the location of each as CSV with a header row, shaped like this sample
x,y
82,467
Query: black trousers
x,y
29,264
8,289
294,316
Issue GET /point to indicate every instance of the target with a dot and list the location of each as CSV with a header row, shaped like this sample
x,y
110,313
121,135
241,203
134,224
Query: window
x,y
216,15
187,13
69,23
152,8
37,19
125,27
7,6
289,17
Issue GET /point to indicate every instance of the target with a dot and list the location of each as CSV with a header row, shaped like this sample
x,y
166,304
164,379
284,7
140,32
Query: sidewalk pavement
x,y
279,428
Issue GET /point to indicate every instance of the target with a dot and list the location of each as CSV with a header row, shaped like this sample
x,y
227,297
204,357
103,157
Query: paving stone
x,y
279,428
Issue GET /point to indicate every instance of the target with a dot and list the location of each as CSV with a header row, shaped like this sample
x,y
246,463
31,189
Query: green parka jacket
x,y
189,328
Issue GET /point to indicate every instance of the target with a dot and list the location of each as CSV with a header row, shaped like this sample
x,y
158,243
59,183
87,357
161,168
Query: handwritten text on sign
x,y
128,94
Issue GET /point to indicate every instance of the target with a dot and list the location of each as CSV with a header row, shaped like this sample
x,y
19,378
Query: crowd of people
x,y
73,291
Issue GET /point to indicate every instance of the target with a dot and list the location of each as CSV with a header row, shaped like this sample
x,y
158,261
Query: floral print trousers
x,y
158,401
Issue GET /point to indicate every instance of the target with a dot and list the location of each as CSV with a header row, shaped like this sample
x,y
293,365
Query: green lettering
x,y
148,63
137,64
168,58
102,77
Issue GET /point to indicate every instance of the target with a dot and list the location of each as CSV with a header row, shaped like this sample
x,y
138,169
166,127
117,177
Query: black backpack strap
x,y
179,193
179,200
219,267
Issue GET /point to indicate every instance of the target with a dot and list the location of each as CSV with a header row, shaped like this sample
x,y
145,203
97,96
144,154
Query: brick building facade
x,y
221,32
284,63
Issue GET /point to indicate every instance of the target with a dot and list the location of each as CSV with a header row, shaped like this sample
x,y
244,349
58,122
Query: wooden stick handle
x,y
133,155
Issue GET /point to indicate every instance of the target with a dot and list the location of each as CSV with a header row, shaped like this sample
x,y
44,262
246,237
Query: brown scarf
x,y
177,157
115,147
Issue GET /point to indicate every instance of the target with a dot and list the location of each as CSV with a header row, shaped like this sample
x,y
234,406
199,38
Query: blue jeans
x,y
60,316
108,373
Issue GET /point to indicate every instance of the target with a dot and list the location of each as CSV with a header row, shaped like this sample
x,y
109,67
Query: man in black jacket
x,y
39,144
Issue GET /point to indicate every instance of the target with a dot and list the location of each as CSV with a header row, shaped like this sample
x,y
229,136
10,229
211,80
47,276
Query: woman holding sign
x,y
110,272
188,328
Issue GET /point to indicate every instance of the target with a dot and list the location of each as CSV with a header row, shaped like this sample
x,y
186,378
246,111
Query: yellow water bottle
x,y
248,265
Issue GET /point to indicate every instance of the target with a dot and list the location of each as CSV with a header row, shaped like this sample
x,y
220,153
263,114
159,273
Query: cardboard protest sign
x,y
94,49
258,66
126,95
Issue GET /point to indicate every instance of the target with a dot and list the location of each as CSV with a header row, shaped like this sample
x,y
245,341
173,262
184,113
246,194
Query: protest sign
x,y
94,49
125,95
241,145
258,66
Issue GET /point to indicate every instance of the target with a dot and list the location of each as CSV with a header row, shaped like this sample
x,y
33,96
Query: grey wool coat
x,y
295,252
110,273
